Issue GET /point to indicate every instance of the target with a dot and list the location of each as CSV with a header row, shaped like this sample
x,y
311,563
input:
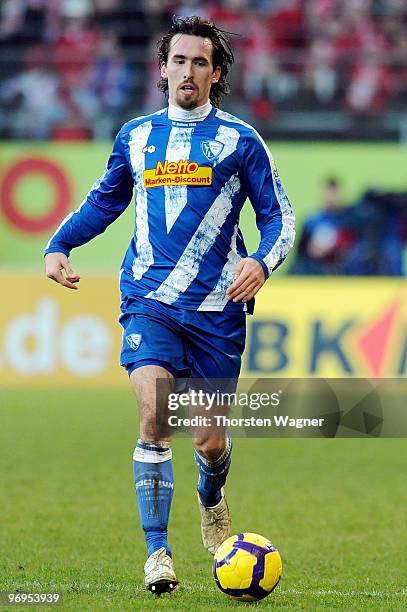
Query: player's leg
x,y
213,453
213,457
215,345
152,458
153,353
153,472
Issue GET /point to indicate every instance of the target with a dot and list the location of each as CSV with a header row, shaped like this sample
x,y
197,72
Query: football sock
x,y
154,481
212,475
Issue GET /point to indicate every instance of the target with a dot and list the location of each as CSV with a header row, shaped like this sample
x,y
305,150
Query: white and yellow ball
x,y
247,567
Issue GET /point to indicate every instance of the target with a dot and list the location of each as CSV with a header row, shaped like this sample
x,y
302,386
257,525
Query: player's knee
x,y
153,424
211,448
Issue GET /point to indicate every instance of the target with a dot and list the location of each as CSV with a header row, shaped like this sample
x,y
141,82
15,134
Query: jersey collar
x,y
175,113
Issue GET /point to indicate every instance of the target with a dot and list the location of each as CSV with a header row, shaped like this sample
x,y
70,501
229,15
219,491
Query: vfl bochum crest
x,y
212,149
133,340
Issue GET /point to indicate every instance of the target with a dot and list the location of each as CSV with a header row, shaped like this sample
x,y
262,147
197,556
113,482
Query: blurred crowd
x,y
81,67
366,238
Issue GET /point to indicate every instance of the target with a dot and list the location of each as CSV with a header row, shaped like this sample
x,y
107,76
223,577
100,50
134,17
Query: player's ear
x,y
163,71
216,74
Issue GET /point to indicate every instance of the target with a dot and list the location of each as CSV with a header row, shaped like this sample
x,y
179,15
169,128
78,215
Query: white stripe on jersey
x,y
231,118
187,268
144,258
287,235
229,137
178,147
216,299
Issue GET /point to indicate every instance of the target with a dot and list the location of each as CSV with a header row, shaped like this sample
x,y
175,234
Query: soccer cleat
x,y
159,575
215,524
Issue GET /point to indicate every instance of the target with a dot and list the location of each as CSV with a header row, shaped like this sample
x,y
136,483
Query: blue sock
x,y
212,475
154,480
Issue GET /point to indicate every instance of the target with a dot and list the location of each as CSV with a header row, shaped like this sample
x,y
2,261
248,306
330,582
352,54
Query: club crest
x,y
134,340
212,149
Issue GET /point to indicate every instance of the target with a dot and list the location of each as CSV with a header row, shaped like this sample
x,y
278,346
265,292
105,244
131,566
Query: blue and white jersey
x,y
190,180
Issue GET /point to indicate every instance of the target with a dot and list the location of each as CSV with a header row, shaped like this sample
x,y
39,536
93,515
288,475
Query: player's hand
x,y
58,268
249,277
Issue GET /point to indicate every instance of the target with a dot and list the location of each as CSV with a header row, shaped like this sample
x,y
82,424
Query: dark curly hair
x,y
222,54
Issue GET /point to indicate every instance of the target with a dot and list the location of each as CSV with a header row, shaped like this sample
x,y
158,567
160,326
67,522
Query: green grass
x,y
334,508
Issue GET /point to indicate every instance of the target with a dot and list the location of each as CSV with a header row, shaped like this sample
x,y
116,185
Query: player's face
x,y
189,71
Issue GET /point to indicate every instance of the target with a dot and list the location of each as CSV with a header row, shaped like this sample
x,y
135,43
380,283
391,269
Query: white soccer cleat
x,y
159,575
215,524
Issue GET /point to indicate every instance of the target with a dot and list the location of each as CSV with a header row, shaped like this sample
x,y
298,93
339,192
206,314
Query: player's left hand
x,y
249,277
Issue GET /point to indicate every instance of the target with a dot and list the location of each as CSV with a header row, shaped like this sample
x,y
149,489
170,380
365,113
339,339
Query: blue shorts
x,y
188,343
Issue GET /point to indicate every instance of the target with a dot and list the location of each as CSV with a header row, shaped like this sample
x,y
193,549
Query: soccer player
x,y
186,281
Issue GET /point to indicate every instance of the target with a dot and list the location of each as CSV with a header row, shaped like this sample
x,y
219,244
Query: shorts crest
x,y
134,340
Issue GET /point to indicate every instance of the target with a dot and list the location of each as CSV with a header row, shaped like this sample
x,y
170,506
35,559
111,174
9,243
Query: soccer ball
x,y
247,567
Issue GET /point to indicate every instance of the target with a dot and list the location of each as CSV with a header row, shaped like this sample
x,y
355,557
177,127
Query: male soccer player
x,y
186,280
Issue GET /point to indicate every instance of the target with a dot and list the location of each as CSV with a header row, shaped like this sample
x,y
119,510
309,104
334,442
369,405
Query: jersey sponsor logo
x,y
212,149
134,341
184,172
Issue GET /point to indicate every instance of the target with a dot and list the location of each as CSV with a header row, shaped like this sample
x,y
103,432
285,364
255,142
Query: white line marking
x,y
201,588
326,592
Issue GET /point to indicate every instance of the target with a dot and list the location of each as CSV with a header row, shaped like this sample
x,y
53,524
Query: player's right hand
x,y
58,268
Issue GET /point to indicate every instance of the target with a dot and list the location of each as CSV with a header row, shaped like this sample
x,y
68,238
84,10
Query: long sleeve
x,y
108,198
274,215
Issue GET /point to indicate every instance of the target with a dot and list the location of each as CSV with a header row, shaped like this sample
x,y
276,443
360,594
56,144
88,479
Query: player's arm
x,y
274,219
105,202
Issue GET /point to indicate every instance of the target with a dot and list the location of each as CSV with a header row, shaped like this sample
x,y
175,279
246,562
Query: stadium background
x,y
325,81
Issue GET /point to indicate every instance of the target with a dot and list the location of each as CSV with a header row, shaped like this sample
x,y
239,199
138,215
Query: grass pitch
x,y
334,508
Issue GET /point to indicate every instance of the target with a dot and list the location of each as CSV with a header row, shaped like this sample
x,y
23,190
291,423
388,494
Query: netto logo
x,y
183,172
182,167
377,348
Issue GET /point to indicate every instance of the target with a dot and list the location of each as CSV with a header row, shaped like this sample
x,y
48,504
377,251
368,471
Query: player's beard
x,y
185,103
